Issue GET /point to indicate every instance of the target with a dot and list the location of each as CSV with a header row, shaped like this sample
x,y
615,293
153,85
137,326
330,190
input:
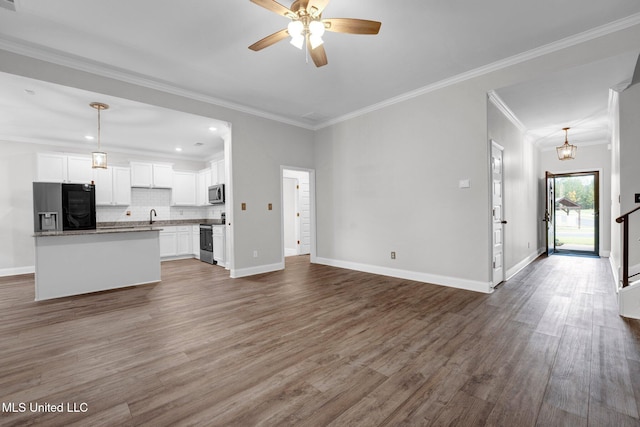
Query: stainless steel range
x,y
206,243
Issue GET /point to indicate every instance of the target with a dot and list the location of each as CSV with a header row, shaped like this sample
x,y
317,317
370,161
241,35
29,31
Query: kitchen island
x,y
78,262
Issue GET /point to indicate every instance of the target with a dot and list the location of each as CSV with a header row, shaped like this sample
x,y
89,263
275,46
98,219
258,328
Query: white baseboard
x,y
452,282
17,270
522,264
259,269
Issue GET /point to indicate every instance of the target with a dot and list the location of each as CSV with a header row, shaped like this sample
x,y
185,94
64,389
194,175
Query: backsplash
x,y
145,199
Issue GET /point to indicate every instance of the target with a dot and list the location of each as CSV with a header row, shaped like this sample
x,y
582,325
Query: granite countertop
x,y
166,223
101,230
129,226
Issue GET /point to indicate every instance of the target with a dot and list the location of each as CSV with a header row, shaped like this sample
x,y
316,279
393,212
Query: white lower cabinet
x,y
168,242
218,235
176,241
195,233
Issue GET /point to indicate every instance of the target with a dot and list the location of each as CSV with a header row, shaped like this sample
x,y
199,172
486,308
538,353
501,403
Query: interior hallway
x,y
316,345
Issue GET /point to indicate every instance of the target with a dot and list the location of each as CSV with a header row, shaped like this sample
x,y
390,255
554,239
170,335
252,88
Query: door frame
x,y
597,202
312,209
501,276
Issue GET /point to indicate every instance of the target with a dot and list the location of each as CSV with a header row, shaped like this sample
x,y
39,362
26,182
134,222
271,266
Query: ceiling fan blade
x,y
318,55
269,40
273,6
352,26
318,5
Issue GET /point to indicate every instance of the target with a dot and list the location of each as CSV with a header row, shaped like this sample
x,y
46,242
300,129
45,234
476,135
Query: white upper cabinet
x,y
79,170
104,186
162,176
121,186
204,182
150,175
184,188
113,186
51,167
221,172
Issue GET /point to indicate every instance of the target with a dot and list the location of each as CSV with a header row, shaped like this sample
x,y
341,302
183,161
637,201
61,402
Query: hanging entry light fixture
x,y
566,151
99,158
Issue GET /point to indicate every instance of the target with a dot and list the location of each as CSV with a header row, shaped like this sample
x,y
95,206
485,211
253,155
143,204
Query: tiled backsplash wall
x,y
145,199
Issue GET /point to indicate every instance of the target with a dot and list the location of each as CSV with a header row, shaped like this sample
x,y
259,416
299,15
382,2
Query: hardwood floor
x,y
315,345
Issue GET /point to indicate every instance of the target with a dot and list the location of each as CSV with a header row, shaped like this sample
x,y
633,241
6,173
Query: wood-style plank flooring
x,y
315,345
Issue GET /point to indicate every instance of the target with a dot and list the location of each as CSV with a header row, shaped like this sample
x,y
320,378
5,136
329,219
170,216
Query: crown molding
x,y
504,109
75,62
57,57
585,36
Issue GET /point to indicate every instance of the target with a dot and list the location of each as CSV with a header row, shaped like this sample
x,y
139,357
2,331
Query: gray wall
x,y
629,170
388,180
520,175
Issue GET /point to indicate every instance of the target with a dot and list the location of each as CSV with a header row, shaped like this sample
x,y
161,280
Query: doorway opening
x,y
297,212
572,213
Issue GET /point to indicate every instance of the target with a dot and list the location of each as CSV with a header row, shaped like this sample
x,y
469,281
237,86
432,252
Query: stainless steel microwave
x,y
216,194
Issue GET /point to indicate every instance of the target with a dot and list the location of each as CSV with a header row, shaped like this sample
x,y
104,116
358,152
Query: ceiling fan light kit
x,y
308,26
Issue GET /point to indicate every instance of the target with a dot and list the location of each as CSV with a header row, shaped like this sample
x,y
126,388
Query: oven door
x,y
206,244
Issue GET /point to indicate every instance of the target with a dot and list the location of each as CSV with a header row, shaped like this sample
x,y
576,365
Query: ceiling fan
x,y
308,26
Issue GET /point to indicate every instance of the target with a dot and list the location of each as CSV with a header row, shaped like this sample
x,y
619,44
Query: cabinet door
x,y
79,170
195,240
184,240
218,247
104,186
204,182
121,186
141,174
51,168
184,188
168,242
221,172
162,176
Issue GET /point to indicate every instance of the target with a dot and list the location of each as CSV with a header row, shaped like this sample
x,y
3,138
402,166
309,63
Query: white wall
x,y
629,170
387,180
259,147
520,177
588,158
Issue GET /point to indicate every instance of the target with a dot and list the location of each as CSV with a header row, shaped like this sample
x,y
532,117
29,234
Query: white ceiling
x,y
200,47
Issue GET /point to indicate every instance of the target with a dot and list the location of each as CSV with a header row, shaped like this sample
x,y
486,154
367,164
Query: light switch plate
x,y
464,183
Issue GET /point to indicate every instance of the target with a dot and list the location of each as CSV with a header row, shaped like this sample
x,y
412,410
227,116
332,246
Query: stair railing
x,y
624,220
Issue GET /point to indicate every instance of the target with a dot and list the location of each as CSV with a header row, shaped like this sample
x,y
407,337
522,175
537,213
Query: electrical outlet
x,y
393,255
255,254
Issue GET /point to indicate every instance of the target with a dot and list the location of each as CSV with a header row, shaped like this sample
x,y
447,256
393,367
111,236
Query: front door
x,y
497,214
549,212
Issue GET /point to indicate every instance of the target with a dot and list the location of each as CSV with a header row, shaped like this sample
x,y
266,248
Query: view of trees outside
x,y
575,226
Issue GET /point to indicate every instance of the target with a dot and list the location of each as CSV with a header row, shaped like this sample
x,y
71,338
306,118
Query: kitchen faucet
x,y
152,211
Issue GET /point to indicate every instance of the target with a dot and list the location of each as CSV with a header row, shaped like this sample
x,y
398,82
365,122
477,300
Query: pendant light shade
x,y
99,158
566,151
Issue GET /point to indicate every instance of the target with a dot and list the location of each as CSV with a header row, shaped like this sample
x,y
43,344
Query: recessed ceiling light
x,y
178,149
89,137
213,128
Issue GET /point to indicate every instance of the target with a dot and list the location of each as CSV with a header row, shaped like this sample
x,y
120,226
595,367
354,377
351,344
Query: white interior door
x,y
497,214
291,216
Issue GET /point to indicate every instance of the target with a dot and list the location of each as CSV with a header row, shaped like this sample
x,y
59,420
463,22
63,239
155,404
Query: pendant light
x,y
99,158
566,151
